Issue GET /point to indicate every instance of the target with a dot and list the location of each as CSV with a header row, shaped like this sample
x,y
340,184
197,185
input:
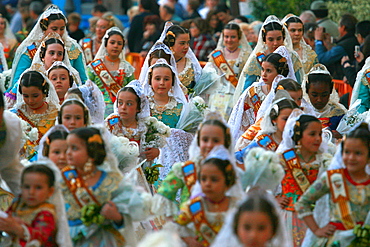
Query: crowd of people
x,y
232,135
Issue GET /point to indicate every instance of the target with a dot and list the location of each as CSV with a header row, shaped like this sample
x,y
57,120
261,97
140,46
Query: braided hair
x,y
279,62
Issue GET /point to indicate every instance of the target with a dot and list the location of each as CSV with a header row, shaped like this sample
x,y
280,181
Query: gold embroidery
x,y
73,54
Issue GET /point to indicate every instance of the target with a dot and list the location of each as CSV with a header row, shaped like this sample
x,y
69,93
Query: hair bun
x,y
170,39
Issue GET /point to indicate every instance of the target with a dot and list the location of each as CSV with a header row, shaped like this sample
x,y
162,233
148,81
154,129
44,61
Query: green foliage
x,y
359,8
280,8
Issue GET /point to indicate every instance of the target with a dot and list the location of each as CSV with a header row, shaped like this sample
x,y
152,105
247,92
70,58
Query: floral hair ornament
x,y
171,33
280,87
95,138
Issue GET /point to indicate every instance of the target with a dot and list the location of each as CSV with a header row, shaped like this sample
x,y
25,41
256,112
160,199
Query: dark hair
x,y
363,28
257,202
320,13
34,79
169,9
222,7
234,26
152,19
242,18
95,148
77,92
272,26
56,135
194,4
319,78
201,24
37,7
110,34
309,30
62,67
361,132
172,33
159,53
225,167
215,122
279,63
131,90
73,102
150,75
294,19
44,23
48,42
366,47
99,8
349,22
301,125
42,169
283,104
289,85
2,103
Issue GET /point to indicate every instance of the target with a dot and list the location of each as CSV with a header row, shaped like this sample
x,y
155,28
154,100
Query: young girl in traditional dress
x,y
207,211
183,175
32,219
74,114
37,105
99,201
347,182
62,79
304,159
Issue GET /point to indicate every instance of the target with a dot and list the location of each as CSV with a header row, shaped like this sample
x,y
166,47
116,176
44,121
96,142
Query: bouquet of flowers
x,y
126,152
351,118
192,115
156,134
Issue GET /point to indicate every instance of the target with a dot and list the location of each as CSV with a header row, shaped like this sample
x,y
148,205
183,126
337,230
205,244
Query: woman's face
x,y
57,26
181,46
268,72
213,21
231,39
296,32
60,79
54,52
274,39
2,25
33,97
101,27
115,45
194,30
252,37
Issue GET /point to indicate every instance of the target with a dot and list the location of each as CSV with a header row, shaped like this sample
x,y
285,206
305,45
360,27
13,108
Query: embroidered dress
x,y
361,89
43,122
169,114
187,76
292,190
308,58
110,187
330,115
40,224
359,203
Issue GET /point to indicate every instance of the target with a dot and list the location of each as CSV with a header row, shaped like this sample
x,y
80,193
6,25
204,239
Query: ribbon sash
x,y
190,174
340,196
222,64
255,99
87,48
266,142
32,50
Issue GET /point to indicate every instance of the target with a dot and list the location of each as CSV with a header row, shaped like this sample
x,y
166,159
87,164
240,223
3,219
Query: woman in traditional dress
x,y
9,42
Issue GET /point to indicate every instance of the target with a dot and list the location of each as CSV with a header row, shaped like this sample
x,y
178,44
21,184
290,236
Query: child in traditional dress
x,y
61,78
55,146
206,211
31,219
74,114
347,182
99,202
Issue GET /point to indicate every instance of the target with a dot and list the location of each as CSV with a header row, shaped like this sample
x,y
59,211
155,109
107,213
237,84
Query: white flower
x,y
198,100
33,134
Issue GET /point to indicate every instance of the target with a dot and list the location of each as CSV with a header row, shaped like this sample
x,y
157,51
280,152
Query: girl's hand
x,y
151,153
192,242
12,225
110,212
326,231
283,201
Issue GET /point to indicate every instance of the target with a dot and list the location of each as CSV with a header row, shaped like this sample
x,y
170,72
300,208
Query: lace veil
x,y
59,127
102,52
75,97
358,83
157,46
176,90
190,54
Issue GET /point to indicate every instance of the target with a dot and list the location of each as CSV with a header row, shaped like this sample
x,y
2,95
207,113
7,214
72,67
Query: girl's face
x,y
296,96
296,32
73,117
181,46
35,189
54,52
231,39
127,106
57,26
355,155
33,96
274,39
57,152
213,182
60,79
311,137
194,30
319,94
254,229
77,155
209,137
115,45
101,28
161,80
268,72
282,118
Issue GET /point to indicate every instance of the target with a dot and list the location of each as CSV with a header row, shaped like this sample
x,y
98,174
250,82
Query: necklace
x,y
89,175
111,61
306,161
37,108
178,60
232,51
218,203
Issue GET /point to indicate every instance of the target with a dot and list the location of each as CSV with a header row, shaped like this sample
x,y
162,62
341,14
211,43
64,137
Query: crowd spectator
x,y
321,12
73,26
307,17
192,8
223,14
167,13
208,6
201,41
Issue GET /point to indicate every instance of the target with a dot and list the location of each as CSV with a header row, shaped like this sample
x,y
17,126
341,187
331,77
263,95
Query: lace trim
x,y
163,206
39,118
159,109
187,75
